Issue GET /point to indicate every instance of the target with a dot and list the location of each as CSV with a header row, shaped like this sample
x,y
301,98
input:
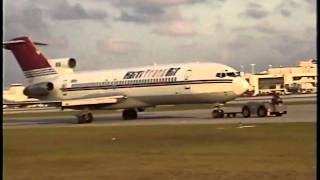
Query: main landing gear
x,y
84,117
129,114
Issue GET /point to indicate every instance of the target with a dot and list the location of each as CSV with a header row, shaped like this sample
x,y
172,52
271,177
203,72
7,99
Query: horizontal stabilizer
x,y
13,42
40,43
16,42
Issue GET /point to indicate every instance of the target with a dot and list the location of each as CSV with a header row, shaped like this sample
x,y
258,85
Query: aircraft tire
x,y
81,119
129,114
89,118
85,118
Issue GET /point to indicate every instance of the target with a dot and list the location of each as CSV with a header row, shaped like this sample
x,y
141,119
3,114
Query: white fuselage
x,y
186,83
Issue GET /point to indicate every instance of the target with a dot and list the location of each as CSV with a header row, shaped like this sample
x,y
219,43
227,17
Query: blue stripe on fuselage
x,y
137,85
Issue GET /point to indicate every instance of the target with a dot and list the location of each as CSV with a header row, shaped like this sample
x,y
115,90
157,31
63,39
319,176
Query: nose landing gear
x,y
217,112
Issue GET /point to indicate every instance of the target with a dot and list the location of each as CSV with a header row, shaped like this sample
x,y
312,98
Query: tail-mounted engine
x,y
63,65
38,90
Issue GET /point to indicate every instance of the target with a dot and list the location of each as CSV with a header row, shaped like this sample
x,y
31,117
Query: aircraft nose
x,y
241,85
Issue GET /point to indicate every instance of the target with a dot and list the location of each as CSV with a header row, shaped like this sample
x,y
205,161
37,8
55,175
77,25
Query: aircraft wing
x,y
25,103
100,100
92,101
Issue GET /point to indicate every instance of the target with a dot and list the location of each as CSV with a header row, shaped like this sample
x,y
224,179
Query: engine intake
x,y
72,63
63,63
38,90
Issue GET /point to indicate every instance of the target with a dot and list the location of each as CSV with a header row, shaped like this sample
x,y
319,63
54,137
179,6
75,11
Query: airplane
x,y
131,89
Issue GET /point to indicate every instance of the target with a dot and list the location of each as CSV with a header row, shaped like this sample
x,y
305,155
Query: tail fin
x,y
32,62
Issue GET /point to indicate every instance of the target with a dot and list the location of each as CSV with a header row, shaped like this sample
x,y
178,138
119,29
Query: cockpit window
x,y
229,74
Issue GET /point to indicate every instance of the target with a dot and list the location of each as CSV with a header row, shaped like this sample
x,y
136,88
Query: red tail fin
x,y
31,60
